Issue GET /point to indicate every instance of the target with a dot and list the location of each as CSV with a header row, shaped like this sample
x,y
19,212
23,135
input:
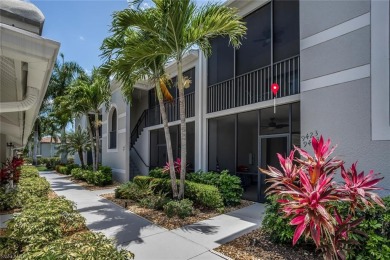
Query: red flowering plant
x,y
306,189
11,171
176,165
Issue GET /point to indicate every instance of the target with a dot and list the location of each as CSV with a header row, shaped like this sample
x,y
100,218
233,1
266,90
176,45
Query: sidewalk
x,y
149,241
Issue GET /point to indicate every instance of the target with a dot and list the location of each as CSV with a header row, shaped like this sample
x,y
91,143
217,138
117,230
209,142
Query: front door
x,y
269,146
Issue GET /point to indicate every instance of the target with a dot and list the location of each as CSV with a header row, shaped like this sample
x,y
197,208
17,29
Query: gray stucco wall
x,y
340,111
319,15
116,158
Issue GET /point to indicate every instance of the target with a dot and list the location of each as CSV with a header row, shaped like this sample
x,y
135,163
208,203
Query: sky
x,y
80,26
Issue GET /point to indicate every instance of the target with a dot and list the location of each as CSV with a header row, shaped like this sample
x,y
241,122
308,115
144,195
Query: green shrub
x,y
132,191
376,226
62,169
70,167
9,199
278,228
106,170
88,176
32,188
203,194
84,245
27,160
44,221
158,173
77,173
182,208
155,201
228,185
101,178
29,172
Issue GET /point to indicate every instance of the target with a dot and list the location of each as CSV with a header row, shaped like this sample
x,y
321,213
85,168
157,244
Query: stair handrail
x,y
135,149
135,133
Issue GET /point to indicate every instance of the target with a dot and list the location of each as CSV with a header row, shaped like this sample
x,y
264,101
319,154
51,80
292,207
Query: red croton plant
x,y
306,189
11,171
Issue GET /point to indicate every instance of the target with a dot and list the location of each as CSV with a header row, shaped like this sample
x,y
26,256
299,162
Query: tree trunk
x,y
35,150
92,142
167,140
64,154
81,156
183,129
97,141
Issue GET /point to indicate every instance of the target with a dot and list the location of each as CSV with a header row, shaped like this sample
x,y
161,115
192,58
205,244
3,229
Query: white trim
x,y
112,150
118,170
256,106
104,135
122,131
380,89
336,31
122,115
336,78
104,122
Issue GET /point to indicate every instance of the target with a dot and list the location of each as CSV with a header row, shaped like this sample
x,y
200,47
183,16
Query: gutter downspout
x,y
23,105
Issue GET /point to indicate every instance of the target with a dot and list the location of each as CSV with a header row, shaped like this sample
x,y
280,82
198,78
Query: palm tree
x,y
64,73
87,95
128,60
78,142
181,26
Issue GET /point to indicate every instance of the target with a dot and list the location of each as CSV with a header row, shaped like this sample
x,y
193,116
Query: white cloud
x,y
82,38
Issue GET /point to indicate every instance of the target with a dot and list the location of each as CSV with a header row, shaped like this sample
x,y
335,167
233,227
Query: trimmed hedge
x,y
30,188
101,177
43,221
29,172
201,194
85,245
228,185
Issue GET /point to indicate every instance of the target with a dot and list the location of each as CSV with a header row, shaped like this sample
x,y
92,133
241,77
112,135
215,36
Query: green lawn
x,y
42,168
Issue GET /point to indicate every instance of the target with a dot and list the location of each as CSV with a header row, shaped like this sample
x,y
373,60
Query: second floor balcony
x,y
255,86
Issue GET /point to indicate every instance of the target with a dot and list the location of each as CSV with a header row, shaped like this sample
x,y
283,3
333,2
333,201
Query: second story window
x,y
112,125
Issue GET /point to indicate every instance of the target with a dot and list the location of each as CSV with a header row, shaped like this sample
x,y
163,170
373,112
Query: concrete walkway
x,y
149,241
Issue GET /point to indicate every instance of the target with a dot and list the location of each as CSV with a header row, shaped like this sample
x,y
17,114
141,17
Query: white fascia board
x,y
40,54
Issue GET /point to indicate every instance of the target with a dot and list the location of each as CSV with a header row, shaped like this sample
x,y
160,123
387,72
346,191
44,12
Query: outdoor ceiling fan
x,y
273,125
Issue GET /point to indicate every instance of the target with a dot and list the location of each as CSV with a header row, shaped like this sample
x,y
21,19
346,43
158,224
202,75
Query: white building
x,y
26,63
331,61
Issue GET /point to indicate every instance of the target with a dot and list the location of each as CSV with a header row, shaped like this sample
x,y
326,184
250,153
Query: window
x,y
112,129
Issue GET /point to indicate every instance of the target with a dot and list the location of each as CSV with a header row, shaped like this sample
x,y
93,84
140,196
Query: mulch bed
x,y
158,217
257,245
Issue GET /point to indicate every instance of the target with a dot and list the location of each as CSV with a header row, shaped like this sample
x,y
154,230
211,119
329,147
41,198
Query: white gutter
x,y
23,105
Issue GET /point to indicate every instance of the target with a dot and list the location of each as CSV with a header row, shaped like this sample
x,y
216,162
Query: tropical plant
x,y
88,94
128,59
307,192
180,26
64,73
78,142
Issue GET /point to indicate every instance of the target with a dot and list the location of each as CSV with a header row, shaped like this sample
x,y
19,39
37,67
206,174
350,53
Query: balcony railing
x,y
152,116
254,86
172,110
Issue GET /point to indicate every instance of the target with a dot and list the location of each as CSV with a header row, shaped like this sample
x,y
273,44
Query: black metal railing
x,y
152,116
112,144
172,110
254,86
